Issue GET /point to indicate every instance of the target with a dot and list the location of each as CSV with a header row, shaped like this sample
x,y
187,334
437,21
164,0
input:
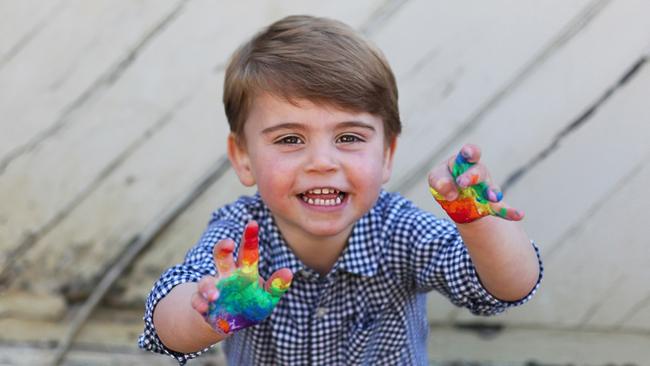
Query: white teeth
x,y
322,202
323,191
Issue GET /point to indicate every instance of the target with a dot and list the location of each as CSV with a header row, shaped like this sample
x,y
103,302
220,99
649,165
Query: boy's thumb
x,y
279,282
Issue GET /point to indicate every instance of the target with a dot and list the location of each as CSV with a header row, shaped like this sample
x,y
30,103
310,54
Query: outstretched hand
x,y
464,189
238,297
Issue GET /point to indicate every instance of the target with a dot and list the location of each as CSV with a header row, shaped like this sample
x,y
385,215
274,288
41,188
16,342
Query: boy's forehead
x,y
268,109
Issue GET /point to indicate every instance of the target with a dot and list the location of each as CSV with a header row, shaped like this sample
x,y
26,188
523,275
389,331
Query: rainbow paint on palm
x,y
472,202
242,300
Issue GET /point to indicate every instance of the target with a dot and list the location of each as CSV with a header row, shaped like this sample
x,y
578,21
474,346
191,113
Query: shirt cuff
x,y
149,339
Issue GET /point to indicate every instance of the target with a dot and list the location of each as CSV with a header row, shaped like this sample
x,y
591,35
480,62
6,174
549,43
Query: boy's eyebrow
x,y
300,126
284,126
356,124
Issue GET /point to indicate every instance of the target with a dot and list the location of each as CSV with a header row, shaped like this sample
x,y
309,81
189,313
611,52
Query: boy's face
x,y
318,168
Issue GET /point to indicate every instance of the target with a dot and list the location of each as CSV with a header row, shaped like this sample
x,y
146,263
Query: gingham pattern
x,y
369,310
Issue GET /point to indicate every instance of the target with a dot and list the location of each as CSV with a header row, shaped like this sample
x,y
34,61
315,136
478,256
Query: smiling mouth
x,y
323,196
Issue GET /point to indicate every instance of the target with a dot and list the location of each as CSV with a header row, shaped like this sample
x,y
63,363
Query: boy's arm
x,y
504,259
182,318
179,326
166,311
501,252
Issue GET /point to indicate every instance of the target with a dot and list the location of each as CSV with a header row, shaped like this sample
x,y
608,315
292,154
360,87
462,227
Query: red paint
x,y
223,325
462,210
474,179
250,253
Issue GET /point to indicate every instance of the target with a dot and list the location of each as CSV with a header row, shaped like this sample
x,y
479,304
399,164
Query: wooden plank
x,y
572,67
109,338
616,240
525,346
29,201
112,328
20,22
64,63
132,195
638,315
132,188
440,309
29,356
32,306
457,57
588,257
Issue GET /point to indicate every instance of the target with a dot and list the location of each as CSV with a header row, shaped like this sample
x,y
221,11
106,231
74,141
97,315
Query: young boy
x,y
344,267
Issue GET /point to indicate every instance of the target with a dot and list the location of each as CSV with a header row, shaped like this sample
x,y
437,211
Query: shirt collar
x,y
279,255
362,254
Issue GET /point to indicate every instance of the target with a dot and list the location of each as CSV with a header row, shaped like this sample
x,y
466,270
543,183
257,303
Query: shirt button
x,y
320,312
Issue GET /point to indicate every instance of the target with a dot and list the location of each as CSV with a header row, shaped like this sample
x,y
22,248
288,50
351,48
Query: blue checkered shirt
x,y
368,310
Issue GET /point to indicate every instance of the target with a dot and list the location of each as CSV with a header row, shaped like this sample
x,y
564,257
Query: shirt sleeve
x,y
442,263
198,263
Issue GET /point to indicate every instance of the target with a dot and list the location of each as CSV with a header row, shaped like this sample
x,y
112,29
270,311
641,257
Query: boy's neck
x,y
319,253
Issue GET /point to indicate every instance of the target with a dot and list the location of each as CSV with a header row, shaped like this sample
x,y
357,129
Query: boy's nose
x,y
322,158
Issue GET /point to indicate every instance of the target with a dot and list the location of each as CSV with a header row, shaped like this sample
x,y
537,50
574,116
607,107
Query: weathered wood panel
x,y
592,254
108,338
616,227
20,22
137,169
40,88
560,89
77,50
460,57
30,356
78,250
539,346
523,125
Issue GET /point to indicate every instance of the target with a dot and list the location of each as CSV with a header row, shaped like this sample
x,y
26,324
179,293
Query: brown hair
x,y
317,59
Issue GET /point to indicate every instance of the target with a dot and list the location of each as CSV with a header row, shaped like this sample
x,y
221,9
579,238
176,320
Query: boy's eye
x,y
289,140
346,139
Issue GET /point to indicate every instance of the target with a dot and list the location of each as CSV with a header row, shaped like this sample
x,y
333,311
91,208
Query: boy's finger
x,y
249,251
506,212
207,288
279,282
470,152
442,182
467,156
200,304
494,194
474,175
223,257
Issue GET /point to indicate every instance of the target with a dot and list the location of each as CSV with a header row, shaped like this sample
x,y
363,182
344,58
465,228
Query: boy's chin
x,y
326,229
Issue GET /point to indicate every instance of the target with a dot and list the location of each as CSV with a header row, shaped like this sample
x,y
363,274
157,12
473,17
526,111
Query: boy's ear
x,y
388,159
240,161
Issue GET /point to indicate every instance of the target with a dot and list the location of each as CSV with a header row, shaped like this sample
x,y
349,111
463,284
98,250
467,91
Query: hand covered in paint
x,y
238,297
464,189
